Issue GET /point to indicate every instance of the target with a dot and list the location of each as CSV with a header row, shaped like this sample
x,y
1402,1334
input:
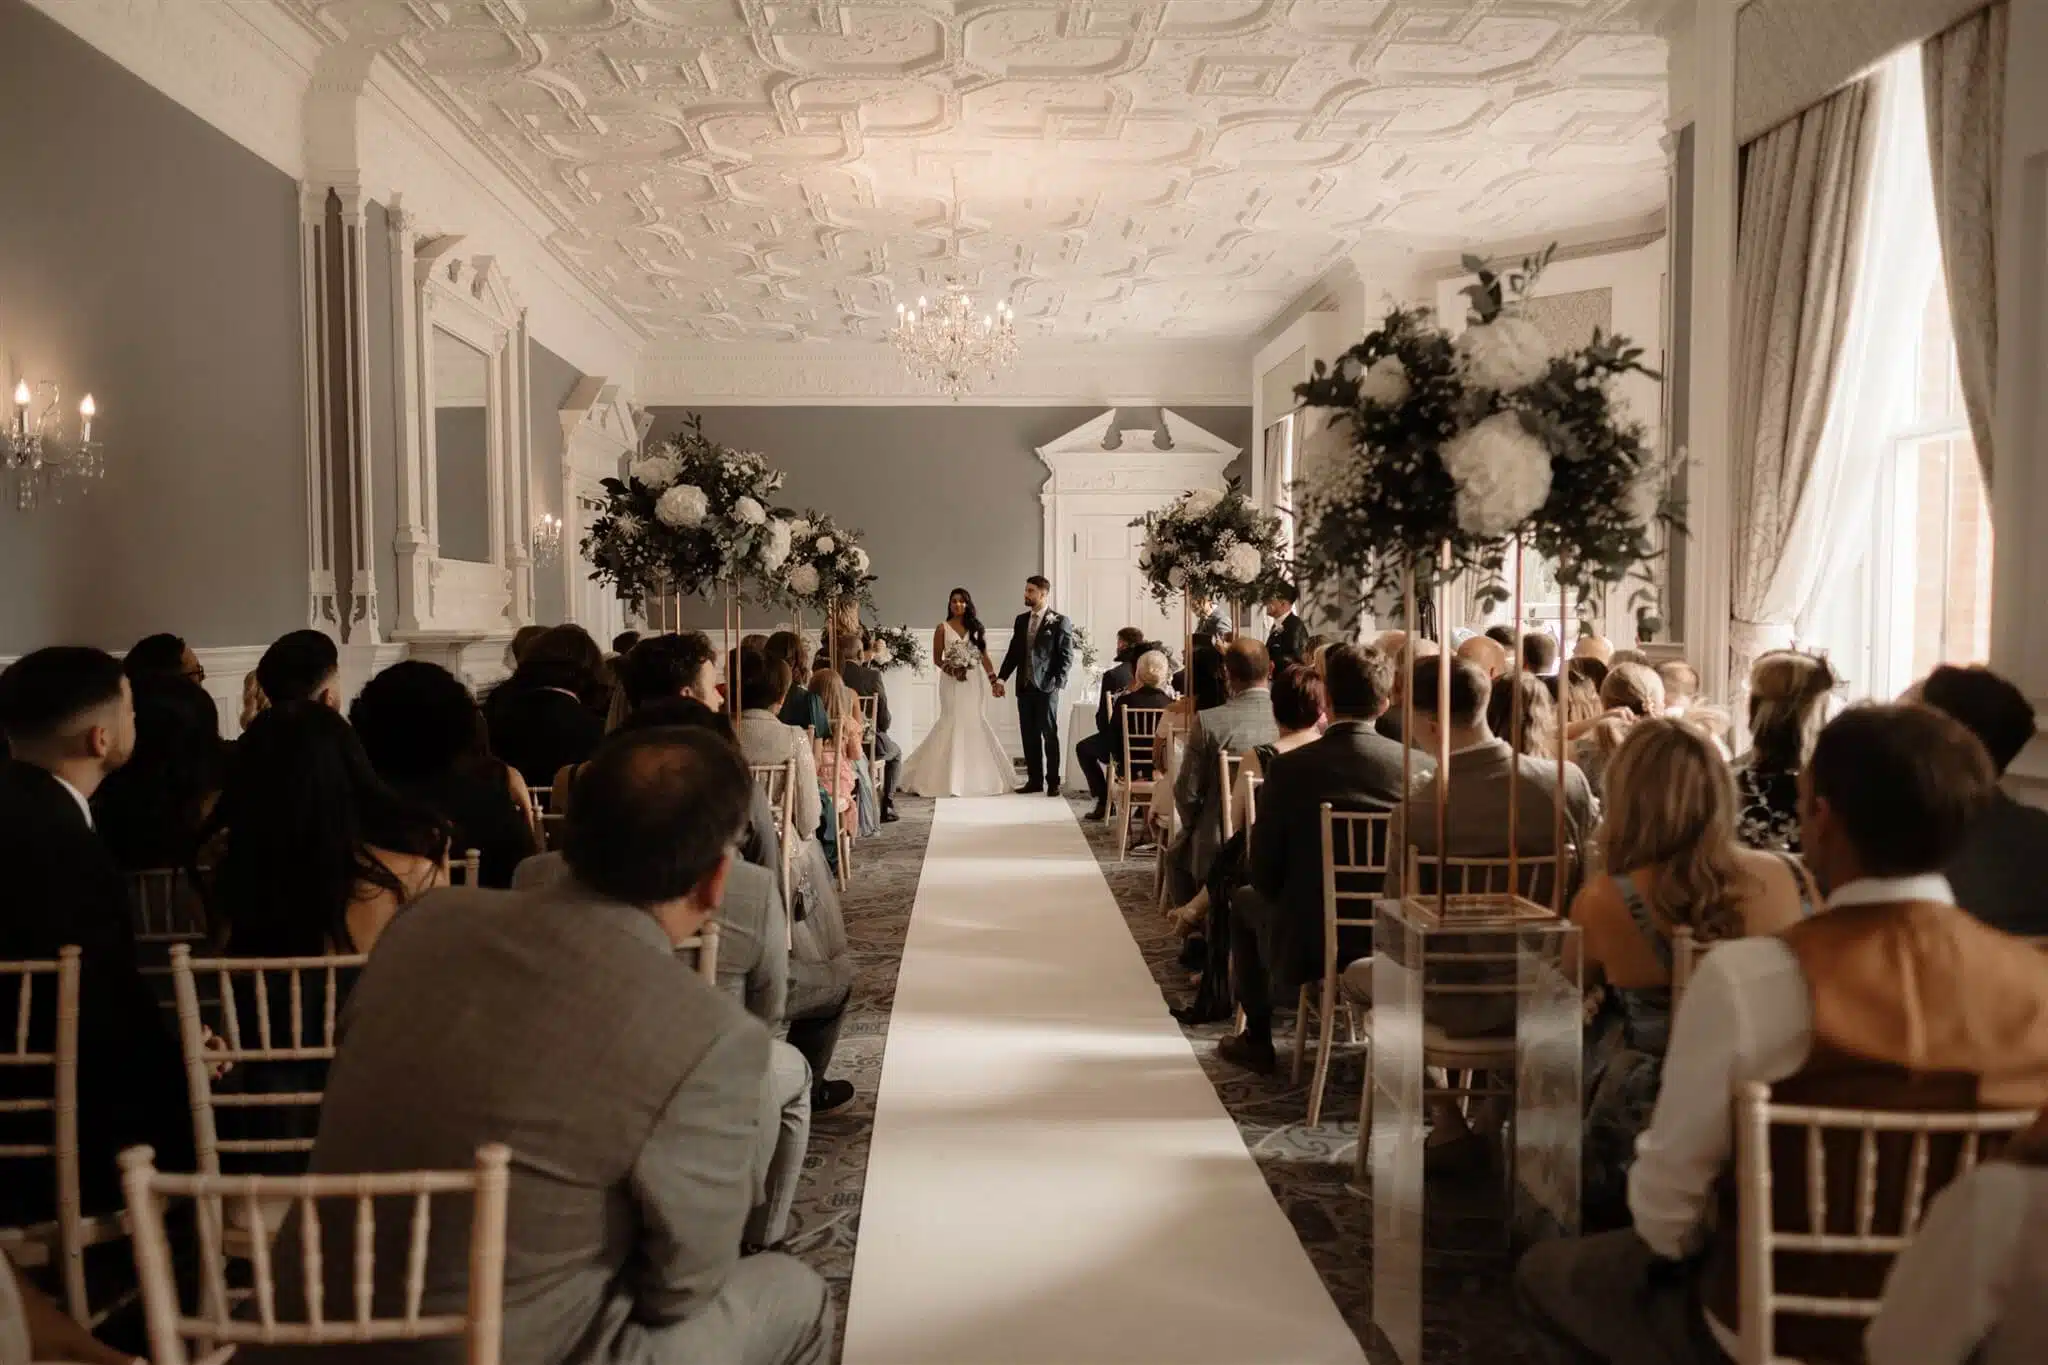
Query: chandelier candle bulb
x,y
87,410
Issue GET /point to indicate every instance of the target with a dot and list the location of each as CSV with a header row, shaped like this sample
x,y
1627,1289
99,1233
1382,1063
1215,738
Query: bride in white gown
x,y
962,756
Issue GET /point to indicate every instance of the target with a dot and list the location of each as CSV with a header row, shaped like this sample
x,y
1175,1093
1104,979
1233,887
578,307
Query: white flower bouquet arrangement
x,y
961,658
1415,440
1210,544
899,647
1085,650
691,515
826,566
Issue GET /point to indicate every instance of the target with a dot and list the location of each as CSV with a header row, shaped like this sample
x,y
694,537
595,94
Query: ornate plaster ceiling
x,y
775,170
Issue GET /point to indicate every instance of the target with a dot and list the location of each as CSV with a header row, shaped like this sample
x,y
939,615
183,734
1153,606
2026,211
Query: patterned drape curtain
x,y
1964,72
1803,199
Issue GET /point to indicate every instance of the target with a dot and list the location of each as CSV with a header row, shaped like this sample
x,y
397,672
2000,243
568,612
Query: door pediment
x,y
1098,457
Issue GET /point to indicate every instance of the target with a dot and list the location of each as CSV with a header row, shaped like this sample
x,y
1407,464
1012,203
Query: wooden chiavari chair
x,y
778,781
60,1242
465,871
217,1330
1354,846
1884,1166
1126,785
166,909
1228,766
870,728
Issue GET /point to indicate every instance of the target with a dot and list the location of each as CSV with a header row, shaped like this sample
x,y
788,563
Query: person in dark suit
x,y
540,718
1276,931
1996,873
1041,654
69,719
301,665
1095,752
1287,638
866,681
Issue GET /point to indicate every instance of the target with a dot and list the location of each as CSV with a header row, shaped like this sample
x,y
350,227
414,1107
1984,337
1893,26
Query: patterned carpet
x,y
1467,1316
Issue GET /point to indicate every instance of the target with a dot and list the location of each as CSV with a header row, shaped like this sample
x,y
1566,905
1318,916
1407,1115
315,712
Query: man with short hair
x,y
1276,926
1894,999
683,665
1598,648
1996,874
1539,653
1681,685
303,665
1488,653
69,720
1041,654
1287,636
1503,635
865,680
1097,751
623,642
1241,724
630,1090
161,656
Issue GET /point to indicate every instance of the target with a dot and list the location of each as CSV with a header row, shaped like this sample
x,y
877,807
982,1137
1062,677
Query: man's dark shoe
x,y
1194,952
1100,812
1200,1012
829,1097
1240,1050
1030,789
1054,791
889,815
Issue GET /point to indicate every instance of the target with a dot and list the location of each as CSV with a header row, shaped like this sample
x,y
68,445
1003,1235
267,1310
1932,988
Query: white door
x,y
1109,592
592,605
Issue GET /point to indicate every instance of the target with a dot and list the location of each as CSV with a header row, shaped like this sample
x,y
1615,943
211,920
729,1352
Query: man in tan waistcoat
x,y
1893,999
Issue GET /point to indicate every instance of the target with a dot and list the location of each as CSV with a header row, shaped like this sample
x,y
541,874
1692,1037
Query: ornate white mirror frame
x,y
599,430
467,297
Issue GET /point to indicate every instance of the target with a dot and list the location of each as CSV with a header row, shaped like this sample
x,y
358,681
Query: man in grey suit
x,y
1237,727
561,1022
1276,924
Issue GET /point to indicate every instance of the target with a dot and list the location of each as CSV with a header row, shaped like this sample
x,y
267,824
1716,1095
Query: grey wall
x,y
550,379
943,496
148,258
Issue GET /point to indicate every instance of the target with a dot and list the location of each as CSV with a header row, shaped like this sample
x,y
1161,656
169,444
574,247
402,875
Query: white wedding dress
x,y
962,756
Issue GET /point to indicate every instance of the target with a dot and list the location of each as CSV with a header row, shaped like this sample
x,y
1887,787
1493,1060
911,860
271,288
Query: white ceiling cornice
x,y
1187,374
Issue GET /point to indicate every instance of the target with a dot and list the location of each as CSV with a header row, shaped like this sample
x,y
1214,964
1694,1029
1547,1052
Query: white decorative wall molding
x,y
1190,374
599,429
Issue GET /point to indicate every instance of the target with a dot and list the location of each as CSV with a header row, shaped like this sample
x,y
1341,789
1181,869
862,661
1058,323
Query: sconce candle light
x,y
547,541
38,452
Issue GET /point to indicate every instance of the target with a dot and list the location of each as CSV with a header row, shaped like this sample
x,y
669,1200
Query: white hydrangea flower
x,y
656,472
860,560
775,549
800,529
1506,354
1241,563
1215,569
1386,384
682,506
1177,577
748,511
1502,473
826,545
1352,368
803,580
1645,495
1201,502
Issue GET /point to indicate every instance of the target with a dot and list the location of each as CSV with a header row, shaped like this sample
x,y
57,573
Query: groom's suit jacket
x,y
1044,667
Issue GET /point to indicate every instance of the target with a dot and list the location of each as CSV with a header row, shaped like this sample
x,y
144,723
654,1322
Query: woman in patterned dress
x,y
1788,704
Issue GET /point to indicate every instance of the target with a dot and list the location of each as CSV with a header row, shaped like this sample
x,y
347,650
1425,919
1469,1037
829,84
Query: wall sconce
x,y
37,451
547,541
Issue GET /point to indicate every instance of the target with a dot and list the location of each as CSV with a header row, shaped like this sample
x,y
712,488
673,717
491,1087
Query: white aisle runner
x,y
1053,1180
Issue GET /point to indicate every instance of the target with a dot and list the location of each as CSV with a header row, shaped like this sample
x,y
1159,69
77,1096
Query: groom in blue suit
x,y
1041,654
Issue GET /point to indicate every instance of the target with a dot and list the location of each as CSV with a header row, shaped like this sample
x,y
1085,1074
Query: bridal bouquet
x,y
961,657
825,565
899,647
689,516
1210,544
1415,440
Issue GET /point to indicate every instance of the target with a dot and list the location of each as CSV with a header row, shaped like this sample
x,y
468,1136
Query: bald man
x,y
1594,647
1487,652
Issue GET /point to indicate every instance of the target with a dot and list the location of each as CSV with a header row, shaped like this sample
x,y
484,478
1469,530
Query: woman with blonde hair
x,y
839,752
1667,835
1631,692
1538,737
1788,704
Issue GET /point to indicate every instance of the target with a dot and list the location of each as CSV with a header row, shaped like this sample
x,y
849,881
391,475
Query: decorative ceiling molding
x,y
750,171
1191,374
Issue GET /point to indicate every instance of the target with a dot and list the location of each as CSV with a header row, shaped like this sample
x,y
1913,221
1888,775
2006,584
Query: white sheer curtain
x,y
1873,391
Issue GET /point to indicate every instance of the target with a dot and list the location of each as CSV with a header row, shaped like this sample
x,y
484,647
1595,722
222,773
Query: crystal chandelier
x,y
37,451
951,346
547,541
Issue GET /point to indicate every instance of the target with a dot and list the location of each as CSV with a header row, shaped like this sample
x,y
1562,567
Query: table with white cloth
x,y
1530,959
1080,726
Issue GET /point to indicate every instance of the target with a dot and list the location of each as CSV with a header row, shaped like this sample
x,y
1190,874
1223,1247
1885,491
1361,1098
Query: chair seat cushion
x,y
1356,980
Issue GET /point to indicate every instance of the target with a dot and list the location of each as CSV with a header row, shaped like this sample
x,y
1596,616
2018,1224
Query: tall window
x,y
1280,475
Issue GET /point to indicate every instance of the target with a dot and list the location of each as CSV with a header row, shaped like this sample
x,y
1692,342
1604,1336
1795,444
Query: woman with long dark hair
x,y
962,755
546,715
317,853
150,809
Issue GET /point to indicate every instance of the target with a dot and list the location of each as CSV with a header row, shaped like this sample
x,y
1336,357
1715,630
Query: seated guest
x,y
1539,653
1578,701
623,642
839,753
161,656
1598,648
866,681
150,810
1788,700
316,853
766,739
540,719
253,701
1631,692
1681,685
1591,671
1538,735
1146,693
1404,649
800,707
666,666
1893,999
1276,919
424,735
303,665
1212,626
637,1167
1502,635
1097,751
1667,835
1238,726
1488,653
1287,636
1972,1287
69,722
1997,872
1630,656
